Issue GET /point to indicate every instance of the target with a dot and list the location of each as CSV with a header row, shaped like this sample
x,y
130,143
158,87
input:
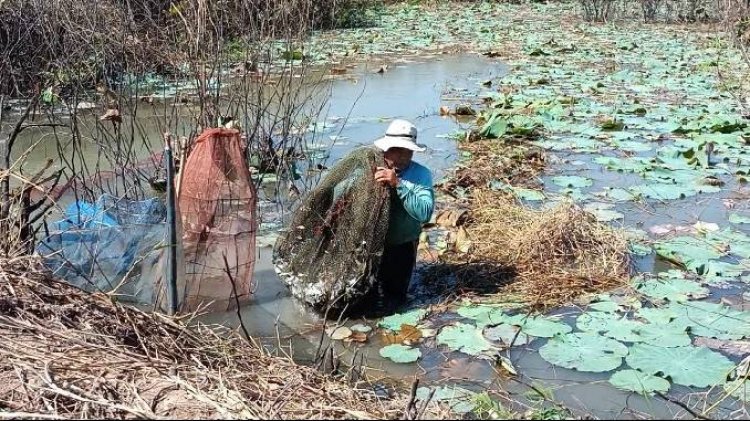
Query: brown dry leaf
x,y
444,111
408,333
463,242
338,71
738,348
357,337
451,217
338,333
112,114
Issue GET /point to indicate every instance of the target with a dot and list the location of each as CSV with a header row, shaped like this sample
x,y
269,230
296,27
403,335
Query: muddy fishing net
x,y
330,253
217,202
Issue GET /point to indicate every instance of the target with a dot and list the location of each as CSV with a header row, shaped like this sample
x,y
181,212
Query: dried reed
x,y
68,354
544,257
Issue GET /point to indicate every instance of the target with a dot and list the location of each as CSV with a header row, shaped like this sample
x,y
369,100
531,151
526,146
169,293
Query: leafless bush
x,y
597,10
238,60
650,9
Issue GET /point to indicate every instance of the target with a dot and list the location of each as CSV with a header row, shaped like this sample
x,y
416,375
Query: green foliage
x,y
400,353
464,338
636,381
687,365
584,352
394,322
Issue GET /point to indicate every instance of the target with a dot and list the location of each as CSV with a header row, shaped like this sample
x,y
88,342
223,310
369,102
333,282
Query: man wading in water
x,y
412,203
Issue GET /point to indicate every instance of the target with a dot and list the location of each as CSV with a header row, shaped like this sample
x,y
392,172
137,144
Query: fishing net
x,y
110,245
217,202
330,253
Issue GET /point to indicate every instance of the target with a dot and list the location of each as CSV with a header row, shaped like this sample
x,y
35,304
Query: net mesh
x,y
330,253
217,202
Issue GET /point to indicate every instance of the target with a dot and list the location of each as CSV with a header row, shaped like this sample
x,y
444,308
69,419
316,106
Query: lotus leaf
x,y
661,315
638,249
736,218
713,320
691,252
596,321
623,165
633,146
464,338
625,331
663,191
460,401
482,315
572,181
400,353
529,195
605,306
507,334
671,289
584,352
639,382
603,212
617,195
411,318
667,335
538,326
686,365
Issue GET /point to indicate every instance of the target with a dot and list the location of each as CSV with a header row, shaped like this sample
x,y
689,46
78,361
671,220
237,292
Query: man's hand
x,y
386,176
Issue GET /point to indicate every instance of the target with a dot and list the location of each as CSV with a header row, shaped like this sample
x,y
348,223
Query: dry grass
x,y
544,258
68,354
556,254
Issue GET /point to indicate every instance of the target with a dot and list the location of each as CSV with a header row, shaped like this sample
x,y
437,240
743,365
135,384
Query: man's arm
x,y
418,198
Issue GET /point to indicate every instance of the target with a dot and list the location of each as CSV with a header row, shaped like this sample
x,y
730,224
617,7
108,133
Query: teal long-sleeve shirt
x,y
411,205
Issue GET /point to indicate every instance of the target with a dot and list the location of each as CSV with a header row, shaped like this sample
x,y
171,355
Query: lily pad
x,y
539,326
529,195
572,181
662,191
671,289
400,353
617,194
668,335
507,334
464,338
736,218
460,401
482,315
687,365
658,315
605,306
639,382
713,320
410,318
603,212
690,252
584,352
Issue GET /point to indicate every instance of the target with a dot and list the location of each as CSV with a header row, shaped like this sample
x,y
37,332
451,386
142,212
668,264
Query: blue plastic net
x,y
108,245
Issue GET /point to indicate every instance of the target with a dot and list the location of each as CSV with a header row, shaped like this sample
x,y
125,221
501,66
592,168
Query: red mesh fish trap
x,y
217,202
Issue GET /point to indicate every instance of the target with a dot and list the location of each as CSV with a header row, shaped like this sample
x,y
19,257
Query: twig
x,y
236,298
683,406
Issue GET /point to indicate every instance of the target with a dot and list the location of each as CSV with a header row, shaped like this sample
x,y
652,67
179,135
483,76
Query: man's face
x,y
398,158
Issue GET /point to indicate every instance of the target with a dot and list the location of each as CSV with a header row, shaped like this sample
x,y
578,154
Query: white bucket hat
x,y
400,134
